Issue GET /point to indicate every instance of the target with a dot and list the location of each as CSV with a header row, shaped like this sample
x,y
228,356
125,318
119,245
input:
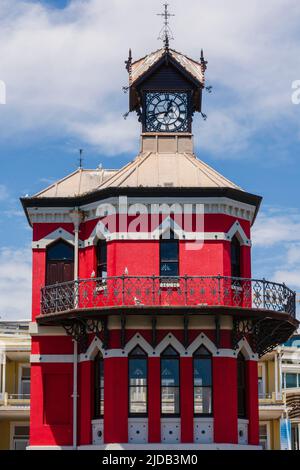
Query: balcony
x,y
176,293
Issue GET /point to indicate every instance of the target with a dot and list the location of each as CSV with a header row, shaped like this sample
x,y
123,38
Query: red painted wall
x,y
154,400
187,399
116,400
225,400
252,402
38,279
85,390
51,404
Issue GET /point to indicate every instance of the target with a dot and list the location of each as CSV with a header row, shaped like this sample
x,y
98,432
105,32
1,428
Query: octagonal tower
x,y
146,321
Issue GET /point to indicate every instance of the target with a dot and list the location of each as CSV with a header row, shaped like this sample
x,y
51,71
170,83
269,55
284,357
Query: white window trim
x,y
13,425
263,367
268,425
21,366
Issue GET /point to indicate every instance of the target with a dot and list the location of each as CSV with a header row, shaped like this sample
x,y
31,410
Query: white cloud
x,y
3,192
15,283
273,227
64,69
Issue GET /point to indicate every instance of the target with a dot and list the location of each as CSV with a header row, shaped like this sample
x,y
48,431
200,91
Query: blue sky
x,y
63,65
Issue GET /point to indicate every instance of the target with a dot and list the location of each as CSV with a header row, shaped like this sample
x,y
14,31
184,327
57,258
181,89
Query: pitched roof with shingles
x,y
141,66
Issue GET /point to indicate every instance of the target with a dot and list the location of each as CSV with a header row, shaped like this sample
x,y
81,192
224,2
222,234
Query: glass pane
x,y
202,372
138,371
169,269
102,252
291,380
170,372
21,431
169,250
20,444
170,400
169,351
138,352
241,403
203,400
137,400
26,372
25,387
60,251
202,351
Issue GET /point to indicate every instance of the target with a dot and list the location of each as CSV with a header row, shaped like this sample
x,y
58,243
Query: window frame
x,y
241,360
98,390
175,358
144,358
171,240
205,357
236,268
101,266
20,381
13,425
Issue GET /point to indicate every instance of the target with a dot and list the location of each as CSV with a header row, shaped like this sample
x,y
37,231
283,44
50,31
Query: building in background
x,y
15,345
279,397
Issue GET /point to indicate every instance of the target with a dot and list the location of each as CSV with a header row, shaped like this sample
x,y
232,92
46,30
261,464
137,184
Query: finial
x,y
128,62
80,158
166,34
203,61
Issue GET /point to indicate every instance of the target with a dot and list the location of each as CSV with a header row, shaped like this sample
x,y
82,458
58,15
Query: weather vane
x,y
166,34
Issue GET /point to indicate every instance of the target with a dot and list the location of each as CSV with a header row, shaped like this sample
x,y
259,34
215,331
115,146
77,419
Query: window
x,y
264,436
291,380
235,258
20,437
60,263
169,256
25,382
138,381
60,251
241,376
170,400
202,382
99,386
102,259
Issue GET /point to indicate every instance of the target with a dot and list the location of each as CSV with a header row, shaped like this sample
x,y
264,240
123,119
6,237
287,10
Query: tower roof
x,y
178,170
140,67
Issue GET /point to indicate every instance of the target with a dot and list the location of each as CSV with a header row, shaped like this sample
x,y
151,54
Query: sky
x,y
62,62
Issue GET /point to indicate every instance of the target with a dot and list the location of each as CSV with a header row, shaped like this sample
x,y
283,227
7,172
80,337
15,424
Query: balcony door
x,y
60,263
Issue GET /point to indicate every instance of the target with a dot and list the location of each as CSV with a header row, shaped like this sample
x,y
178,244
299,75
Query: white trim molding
x,y
58,234
238,231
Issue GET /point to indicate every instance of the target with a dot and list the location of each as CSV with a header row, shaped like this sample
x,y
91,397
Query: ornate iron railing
x,y
153,291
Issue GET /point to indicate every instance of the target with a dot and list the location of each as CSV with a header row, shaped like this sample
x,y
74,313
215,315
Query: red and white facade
x,y
193,334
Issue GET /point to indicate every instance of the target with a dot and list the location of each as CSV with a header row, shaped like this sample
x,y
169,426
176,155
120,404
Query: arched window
x,y
241,377
235,257
99,386
138,382
169,256
60,263
102,259
170,383
202,382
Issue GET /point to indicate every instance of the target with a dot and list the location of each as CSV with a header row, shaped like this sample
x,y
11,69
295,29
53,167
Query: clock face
x,y
166,112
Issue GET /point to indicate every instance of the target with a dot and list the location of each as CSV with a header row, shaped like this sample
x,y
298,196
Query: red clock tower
x,y
146,321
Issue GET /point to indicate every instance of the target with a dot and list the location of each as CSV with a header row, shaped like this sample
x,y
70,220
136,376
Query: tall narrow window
x,y
138,382
60,263
169,256
202,382
99,386
102,259
235,258
241,377
170,382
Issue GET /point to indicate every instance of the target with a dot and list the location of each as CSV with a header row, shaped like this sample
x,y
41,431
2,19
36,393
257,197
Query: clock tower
x,y
165,89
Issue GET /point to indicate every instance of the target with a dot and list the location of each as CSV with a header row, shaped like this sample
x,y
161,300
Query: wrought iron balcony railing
x,y
153,291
